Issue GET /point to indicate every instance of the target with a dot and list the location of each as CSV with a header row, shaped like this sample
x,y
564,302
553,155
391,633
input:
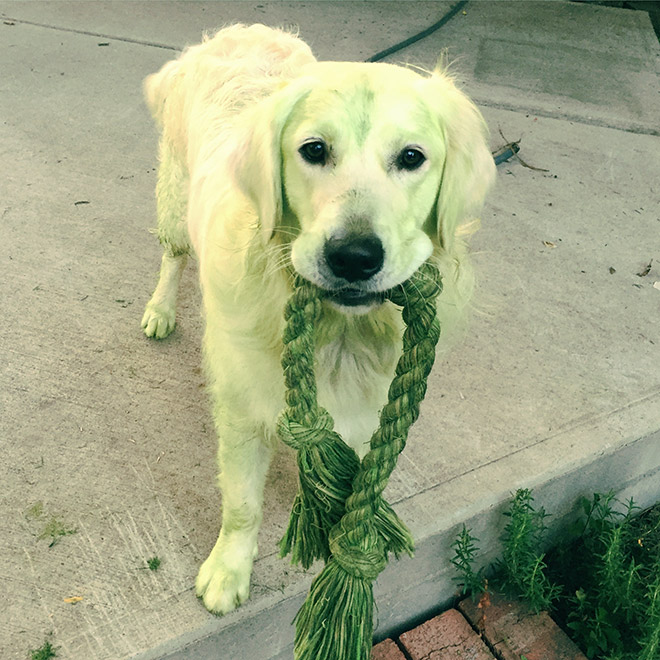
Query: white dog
x,y
350,174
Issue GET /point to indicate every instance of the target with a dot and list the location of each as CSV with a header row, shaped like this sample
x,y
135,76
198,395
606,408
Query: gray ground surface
x,y
108,434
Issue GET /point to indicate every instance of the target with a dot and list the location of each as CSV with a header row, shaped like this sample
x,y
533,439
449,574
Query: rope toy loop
x,y
339,513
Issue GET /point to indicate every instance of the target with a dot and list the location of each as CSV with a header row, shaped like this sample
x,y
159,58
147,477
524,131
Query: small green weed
x,y
465,552
52,529
153,563
44,652
522,569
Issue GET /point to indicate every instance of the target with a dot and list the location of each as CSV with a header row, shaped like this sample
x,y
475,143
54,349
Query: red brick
x,y
387,650
445,637
513,630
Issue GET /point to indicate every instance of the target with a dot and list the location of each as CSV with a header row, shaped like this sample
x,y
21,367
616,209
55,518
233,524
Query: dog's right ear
x,y
258,160
469,169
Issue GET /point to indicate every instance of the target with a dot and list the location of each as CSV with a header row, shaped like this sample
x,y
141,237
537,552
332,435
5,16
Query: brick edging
x,y
494,628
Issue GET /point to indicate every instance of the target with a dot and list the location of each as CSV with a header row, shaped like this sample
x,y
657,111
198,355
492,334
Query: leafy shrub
x,y
608,564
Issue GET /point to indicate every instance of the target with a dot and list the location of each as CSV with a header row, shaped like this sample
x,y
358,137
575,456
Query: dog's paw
x,y
221,588
158,320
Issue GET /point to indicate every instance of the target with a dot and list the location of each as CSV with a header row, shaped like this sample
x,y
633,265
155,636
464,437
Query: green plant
x,y
650,629
593,625
153,563
44,652
618,575
608,564
54,530
465,552
608,608
522,569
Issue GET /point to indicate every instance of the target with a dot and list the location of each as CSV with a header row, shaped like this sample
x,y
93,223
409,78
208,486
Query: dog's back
x,y
237,66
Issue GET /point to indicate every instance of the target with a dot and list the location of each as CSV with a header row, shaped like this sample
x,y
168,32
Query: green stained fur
x,y
359,110
339,513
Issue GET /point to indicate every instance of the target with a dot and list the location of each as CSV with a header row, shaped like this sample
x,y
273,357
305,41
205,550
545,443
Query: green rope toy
x,y
339,514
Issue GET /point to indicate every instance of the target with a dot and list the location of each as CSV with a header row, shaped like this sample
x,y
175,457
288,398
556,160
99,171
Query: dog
x,y
348,174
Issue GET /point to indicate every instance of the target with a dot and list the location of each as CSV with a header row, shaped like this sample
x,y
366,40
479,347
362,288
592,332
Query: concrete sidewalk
x,y
107,443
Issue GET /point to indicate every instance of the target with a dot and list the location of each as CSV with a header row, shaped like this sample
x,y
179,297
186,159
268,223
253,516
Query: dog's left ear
x,y
469,169
257,163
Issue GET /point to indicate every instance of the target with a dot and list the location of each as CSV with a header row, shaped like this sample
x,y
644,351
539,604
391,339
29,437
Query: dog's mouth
x,y
350,297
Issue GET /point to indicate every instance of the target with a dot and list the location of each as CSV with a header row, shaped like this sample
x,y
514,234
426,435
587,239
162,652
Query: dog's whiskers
x,y
278,258
291,233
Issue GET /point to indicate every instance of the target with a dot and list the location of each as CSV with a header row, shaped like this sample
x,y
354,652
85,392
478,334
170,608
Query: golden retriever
x,y
351,174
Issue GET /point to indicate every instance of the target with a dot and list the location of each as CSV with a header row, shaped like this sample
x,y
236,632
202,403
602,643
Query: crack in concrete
x,y
637,128
100,35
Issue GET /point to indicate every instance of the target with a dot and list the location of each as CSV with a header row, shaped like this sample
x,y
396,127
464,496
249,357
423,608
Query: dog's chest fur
x,y
355,361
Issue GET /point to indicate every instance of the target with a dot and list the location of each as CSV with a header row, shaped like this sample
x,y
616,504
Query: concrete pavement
x,y
106,439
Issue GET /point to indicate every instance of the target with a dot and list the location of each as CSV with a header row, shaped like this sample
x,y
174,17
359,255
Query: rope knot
x,y
299,436
365,563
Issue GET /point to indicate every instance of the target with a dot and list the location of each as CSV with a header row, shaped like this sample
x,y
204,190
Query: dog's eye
x,y
410,159
314,152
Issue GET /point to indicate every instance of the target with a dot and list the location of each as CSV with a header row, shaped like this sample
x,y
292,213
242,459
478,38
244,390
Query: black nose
x,y
354,258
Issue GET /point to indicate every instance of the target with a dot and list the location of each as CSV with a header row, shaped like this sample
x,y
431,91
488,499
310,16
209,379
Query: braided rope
x,y
336,620
417,296
326,465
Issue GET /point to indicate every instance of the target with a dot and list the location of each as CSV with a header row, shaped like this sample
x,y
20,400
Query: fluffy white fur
x,y
234,188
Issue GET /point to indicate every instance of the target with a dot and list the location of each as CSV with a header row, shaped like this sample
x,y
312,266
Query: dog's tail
x,y
157,87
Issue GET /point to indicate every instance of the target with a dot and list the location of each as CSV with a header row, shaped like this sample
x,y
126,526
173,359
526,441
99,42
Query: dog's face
x,y
374,165
362,157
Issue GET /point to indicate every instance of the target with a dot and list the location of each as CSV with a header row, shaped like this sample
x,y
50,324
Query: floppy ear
x,y
469,169
258,159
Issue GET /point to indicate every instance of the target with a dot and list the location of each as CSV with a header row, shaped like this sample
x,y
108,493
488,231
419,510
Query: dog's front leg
x,y
223,581
160,312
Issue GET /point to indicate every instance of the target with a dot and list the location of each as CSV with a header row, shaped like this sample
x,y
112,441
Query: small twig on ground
x,y
517,155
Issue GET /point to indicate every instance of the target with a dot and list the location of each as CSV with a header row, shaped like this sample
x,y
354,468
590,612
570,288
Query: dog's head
x,y
371,167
